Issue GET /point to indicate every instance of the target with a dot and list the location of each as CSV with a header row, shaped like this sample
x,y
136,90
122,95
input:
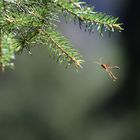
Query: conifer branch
x,y
88,18
60,48
24,23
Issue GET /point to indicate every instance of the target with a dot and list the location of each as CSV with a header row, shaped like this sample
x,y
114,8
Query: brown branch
x,y
0,52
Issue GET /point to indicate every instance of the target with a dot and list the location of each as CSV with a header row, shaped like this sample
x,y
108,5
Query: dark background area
x,y
128,96
40,100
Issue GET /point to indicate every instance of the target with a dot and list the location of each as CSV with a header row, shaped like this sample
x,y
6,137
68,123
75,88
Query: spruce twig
x,y
24,23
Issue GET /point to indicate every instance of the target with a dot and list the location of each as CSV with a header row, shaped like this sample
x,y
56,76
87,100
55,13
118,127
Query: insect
x,y
108,68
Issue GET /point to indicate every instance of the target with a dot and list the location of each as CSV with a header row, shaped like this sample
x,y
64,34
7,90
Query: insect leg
x,y
111,74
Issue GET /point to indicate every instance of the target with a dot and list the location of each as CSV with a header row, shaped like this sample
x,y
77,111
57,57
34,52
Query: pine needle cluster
x,y
24,23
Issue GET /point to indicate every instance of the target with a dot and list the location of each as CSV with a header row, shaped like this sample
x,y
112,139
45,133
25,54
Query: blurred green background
x,y
41,100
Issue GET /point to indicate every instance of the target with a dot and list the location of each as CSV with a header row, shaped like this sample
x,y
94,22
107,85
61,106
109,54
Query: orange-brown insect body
x,y
108,68
104,66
